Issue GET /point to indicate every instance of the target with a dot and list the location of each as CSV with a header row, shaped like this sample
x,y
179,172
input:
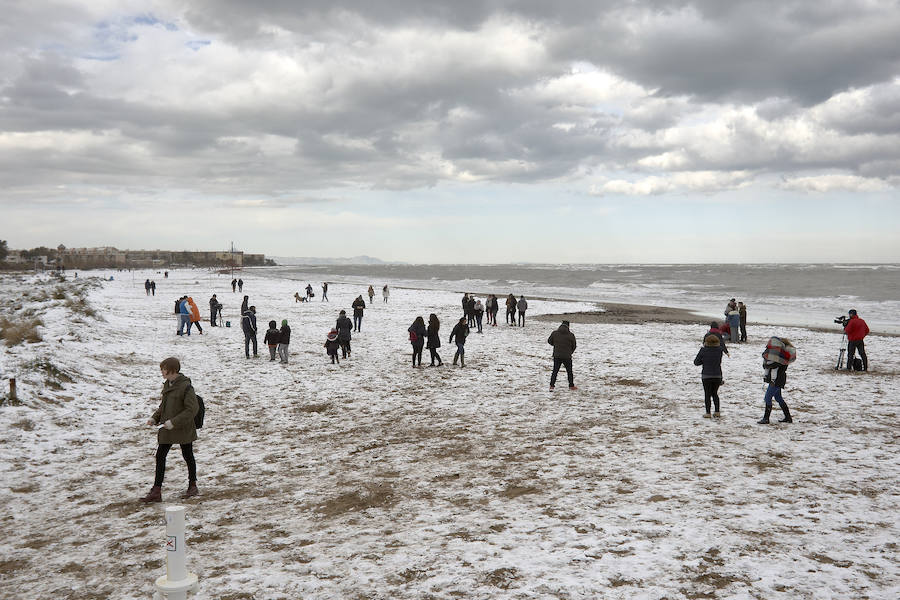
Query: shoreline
x,y
618,313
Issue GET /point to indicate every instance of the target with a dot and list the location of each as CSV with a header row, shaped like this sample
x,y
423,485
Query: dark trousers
x,y
212,318
417,351
478,317
510,317
187,451
522,318
567,363
434,355
711,392
345,348
743,330
852,347
357,322
249,337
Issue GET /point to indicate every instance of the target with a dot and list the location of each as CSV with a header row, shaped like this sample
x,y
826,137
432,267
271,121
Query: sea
x,y
809,295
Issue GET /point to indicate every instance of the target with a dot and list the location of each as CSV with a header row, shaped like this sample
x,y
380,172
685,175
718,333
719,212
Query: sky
x,y
464,131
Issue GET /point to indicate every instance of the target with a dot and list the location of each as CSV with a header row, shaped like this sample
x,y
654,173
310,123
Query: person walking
x,y
331,346
460,333
779,353
248,325
417,333
194,318
479,314
325,292
184,316
385,292
284,340
371,295
343,327
522,306
564,344
175,418
214,308
434,338
309,292
240,285
153,287
510,310
742,311
233,285
714,329
710,357
856,330
470,311
147,287
358,306
273,336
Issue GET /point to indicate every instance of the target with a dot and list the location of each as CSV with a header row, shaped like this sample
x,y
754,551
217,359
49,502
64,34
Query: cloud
x,y
834,182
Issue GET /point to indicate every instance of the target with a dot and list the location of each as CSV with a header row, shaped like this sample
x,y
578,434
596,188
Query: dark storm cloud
x,y
408,93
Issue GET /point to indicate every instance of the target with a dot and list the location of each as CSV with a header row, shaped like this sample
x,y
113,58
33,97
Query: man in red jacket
x,y
856,329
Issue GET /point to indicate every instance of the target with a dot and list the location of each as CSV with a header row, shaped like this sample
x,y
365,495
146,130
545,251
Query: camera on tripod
x,y
842,320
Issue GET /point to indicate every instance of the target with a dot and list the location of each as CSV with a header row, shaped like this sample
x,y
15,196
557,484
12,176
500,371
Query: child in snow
x,y
273,336
331,345
284,338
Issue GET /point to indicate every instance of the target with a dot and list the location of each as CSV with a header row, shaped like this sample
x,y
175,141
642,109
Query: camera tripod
x,y
840,360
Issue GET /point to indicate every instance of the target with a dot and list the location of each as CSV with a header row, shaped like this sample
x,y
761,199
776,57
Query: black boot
x,y
765,419
787,415
455,358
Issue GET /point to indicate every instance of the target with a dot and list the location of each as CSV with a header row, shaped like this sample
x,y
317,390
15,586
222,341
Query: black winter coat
x,y
460,332
273,336
248,322
434,338
420,332
343,326
358,305
711,359
285,335
563,342
775,373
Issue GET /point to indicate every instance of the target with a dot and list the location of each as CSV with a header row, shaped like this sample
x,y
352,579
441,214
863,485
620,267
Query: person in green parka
x,y
175,418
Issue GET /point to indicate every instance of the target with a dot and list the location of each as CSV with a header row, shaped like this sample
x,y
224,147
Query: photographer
x,y
856,330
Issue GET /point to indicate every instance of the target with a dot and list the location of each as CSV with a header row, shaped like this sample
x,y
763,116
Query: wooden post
x,y
12,390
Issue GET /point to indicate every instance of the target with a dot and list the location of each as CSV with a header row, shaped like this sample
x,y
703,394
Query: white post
x,y
174,585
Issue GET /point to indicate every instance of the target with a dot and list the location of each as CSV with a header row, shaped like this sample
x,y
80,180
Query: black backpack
x,y
857,364
201,412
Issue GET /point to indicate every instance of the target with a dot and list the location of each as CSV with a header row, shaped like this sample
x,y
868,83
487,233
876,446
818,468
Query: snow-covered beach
x,y
375,480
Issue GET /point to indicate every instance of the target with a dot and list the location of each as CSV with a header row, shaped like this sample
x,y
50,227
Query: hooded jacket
x,y
358,306
563,342
460,332
710,356
285,332
248,322
179,405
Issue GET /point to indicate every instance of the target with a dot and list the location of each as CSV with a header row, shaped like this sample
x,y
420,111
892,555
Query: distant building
x,y
107,256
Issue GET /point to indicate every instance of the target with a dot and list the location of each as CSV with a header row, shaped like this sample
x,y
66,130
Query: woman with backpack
x,y
710,357
175,420
417,339
434,338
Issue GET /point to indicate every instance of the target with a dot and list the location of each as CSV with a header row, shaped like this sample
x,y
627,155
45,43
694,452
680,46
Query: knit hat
x,y
284,322
343,312
332,335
